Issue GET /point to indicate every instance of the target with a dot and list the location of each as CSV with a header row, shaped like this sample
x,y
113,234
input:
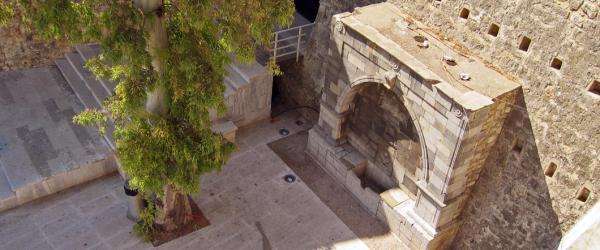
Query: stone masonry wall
x,y
563,117
19,50
381,128
514,204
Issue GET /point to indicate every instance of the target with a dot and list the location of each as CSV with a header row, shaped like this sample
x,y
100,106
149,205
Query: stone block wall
x,y
380,127
249,99
554,122
19,49
456,129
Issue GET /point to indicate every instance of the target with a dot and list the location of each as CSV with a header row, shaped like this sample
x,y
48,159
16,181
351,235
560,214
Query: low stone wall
x,y
248,94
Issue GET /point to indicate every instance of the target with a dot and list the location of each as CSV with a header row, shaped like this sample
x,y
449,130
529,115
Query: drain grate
x,y
284,132
289,178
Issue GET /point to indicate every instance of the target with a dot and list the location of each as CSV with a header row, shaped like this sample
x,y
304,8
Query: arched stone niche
x,y
455,130
380,127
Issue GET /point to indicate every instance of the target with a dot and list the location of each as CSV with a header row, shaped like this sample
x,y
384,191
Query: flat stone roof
x,y
387,27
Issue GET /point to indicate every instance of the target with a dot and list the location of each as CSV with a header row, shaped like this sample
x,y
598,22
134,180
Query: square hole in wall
x,y
550,169
594,88
494,30
556,64
583,194
517,146
464,13
525,43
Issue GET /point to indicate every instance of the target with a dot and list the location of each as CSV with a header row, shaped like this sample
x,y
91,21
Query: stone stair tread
x,y
223,126
109,135
229,89
96,87
248,71
77,84
5,188
236,66
87,51
235,79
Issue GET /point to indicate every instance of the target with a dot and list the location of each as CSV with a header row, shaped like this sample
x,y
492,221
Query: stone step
x,y
43,152
57,182
229,89
5,188
225,127
87,52
249,71
77,84
84,95
236,67
96,87
234,78
109,134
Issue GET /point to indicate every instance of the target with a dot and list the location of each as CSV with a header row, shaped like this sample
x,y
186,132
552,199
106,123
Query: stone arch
x,y
348,94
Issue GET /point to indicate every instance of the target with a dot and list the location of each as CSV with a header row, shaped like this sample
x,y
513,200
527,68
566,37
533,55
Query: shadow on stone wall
x,y
510,205
302,82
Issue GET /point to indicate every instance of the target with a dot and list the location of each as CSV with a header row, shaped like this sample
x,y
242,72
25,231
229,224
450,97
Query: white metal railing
x,y
290,41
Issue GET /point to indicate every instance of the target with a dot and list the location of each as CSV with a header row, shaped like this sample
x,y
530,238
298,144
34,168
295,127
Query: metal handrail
x,y
297,34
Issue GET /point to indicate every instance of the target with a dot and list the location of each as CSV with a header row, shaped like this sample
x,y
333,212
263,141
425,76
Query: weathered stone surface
x,y
41,150
19,49
561,116
387,110
247,211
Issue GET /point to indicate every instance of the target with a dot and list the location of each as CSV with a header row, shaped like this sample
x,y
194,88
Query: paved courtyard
x,y
249,206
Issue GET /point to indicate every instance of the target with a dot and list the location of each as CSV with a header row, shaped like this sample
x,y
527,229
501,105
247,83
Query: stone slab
x,y
98,90
384,25
5,189
77,84
41,150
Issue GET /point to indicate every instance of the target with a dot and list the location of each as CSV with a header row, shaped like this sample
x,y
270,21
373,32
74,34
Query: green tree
x,y
169,58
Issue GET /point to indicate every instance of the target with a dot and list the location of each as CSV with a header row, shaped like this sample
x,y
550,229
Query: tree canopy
x,y
201,36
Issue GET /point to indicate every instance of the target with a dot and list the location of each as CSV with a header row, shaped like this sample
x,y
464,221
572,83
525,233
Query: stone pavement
x,y
373,232
248,204
41,150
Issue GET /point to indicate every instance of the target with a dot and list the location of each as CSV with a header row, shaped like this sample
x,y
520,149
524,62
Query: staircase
x,y
92,91
41,151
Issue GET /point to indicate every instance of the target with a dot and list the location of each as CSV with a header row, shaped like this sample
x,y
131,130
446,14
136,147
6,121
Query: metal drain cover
x,y
284,132
289,178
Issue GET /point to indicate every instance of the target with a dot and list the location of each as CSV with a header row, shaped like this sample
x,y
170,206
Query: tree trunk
x,y
176,209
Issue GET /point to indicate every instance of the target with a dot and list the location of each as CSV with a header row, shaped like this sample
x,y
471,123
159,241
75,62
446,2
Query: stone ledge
x,y
59,182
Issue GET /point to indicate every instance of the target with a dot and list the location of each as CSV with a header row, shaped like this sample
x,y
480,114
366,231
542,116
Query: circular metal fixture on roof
x,y
290,178
449,60
421,41
464,76
284,132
